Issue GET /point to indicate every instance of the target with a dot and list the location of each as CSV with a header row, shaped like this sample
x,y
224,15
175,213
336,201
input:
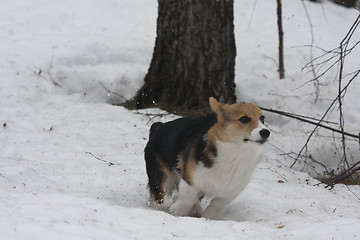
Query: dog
x,y
212,155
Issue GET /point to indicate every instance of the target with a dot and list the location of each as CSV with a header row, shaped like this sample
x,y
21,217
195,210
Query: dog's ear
x,y
215,106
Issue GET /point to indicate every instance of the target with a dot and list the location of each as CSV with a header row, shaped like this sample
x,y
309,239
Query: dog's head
x,y
239,122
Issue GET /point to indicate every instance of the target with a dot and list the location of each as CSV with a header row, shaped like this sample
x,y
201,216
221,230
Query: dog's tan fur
x,y
228,125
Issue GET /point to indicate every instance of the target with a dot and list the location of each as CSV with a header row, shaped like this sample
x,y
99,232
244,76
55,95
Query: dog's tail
x,y
154,128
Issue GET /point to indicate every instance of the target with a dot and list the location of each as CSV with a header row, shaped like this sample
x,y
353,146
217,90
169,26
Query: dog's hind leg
x,y
157,177
169,186
188,197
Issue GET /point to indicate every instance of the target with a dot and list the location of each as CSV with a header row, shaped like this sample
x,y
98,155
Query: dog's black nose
x,y
264,133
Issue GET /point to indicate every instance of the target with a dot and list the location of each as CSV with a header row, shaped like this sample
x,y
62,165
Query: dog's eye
x,y
245,119
262,118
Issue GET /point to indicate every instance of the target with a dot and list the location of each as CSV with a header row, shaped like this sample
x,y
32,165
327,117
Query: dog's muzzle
x,y
264,133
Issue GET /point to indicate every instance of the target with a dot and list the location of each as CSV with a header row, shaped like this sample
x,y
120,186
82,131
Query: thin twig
x,y
340,101
353,192
102,160
325,114
346,174
303,119
109,91
336,57
152,116
275,171
295,115
252,15
47,74
312,67
293,155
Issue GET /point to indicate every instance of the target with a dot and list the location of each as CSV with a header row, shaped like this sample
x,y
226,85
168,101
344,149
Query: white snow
x,y
71,165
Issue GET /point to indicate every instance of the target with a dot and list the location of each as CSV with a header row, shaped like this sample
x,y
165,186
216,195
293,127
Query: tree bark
x,y
194,56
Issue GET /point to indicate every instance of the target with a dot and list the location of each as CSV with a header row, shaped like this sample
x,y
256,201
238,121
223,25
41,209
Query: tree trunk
x,y
194,56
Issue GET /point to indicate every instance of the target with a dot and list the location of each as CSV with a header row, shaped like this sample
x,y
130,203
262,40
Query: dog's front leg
x,y
187,198
216,206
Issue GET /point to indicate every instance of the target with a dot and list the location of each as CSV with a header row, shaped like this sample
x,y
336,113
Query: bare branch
x,y
353,193
47,74
346,174
111,92
306,119
102,160
335,58
312,67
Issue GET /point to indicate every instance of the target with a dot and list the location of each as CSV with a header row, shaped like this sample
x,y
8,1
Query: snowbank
x,y
72,165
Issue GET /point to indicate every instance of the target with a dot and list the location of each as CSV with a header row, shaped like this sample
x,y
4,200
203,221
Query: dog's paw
x,y
197,211
168,201
179,209
211,214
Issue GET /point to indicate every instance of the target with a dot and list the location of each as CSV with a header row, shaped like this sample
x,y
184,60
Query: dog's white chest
x,y
231,171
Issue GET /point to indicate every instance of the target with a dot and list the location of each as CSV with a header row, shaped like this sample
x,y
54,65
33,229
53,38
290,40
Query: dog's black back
x,y
169,140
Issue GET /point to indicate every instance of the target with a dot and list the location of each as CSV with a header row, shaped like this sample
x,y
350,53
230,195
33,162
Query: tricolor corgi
x,y
213,156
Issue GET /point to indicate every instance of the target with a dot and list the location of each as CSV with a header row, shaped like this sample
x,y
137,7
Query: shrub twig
x,y
102,160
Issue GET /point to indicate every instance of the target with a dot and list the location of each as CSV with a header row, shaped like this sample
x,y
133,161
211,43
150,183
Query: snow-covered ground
x,y
71,165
